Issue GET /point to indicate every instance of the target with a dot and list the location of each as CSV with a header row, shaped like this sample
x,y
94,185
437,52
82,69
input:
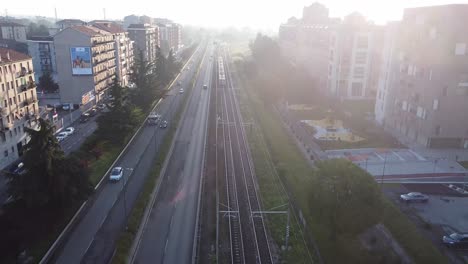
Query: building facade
x,y
146,39
123,47
13,36
428,83
18,106
170,37
354,48
86,63
42,50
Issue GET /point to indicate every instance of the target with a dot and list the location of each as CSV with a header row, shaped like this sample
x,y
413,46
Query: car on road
x,y
101,106
181,90
84,118
60,138
205,86
414,197
456,240
69,130
163,124
153,118
116,174
92,112
17,168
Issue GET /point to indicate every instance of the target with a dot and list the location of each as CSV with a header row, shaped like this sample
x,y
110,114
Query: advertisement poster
x,y
81,60
87,97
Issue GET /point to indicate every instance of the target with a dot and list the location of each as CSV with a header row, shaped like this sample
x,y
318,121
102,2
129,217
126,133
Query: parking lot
x,y
402,164
444,213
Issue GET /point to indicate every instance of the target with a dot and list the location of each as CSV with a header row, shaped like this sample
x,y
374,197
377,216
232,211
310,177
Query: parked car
x,y
66,107
181,90
60,138
455,240
17,168
84,118
414,197
205,86
92,112
163,124
101,106
69,130
116,174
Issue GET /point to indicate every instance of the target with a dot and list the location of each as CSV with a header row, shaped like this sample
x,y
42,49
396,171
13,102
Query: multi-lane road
x,y
168,233
93,238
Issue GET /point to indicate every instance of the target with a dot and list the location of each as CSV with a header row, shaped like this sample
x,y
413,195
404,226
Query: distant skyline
x,y
259,14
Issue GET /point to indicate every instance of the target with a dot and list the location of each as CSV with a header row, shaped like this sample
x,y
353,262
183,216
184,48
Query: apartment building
x,y
146,39
13,36
170,37
305,42
18,105
86,63
426,97
42,50
354,49
123,47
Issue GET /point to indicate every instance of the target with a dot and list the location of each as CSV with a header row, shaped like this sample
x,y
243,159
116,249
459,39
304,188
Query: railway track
x,y
246,232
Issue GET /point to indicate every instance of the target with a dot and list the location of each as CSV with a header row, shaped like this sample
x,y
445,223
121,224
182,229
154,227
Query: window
x,y
361,58
356,89
5,153
358,72
433,33
3,87
12,149
444,91
437,130
460,48
435,104
362,42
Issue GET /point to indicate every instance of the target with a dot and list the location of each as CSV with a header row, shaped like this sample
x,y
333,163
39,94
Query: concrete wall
x,y
72,87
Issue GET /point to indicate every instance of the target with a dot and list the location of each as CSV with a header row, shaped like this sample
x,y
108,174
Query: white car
x,y
59,138
62,135
181,90
116,174
69,130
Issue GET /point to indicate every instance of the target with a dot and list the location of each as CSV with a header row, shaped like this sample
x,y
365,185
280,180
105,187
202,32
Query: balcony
x,y
28,102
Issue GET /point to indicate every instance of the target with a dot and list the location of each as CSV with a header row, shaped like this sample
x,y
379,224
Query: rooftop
x,y
10,24
14,56
66,21
139,26
109,27
89,30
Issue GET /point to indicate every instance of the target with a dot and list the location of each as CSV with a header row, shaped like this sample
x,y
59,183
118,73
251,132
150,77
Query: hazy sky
x,y
217,13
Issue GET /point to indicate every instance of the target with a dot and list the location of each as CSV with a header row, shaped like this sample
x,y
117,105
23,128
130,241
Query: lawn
x,y
464,164
297,176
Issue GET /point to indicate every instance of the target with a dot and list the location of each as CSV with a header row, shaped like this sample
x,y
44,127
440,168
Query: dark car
x,y
455,240
163,124
92,112
84,118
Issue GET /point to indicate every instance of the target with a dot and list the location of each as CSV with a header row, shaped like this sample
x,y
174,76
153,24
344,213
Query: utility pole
x,y
104,11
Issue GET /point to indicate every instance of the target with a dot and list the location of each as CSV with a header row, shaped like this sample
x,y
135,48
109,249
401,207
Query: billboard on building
x,y
87,97
81,60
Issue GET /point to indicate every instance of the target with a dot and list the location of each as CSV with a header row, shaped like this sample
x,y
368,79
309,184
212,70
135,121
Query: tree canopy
x,y
346,197
50,178
47,83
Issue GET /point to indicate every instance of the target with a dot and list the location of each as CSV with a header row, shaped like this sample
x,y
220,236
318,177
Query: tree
x,y
116,124
50,179
35,30
144,77
47,83
345,197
